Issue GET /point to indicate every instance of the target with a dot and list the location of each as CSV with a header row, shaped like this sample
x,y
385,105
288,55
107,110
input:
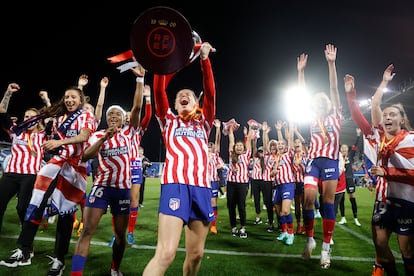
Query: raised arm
x,y
82,81
249,138
11,88
148,107
330,55
231,138
265,136
209,89
289,135
217,141
45,97
353,105
301,64
101,98
376,111
139,73
279,126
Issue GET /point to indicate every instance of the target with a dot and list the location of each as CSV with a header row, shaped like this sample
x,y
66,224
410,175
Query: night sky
x,y
48,46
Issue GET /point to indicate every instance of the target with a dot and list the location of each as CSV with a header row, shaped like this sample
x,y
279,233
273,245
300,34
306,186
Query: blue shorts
x,y
136,171
118,199
186,202
398,219
284,191
321,168
214,189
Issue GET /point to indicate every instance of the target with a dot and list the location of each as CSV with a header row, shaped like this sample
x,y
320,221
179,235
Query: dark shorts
x,y
395,218
118,199
350,185
186,202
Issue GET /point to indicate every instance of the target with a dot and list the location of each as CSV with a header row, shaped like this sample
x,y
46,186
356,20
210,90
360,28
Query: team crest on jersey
x,y
72,133
91,199
174,203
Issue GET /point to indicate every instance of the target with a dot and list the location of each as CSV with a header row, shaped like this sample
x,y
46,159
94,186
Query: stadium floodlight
x,y
297,105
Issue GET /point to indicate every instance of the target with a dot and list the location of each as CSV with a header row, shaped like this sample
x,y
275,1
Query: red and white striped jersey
x,y
284,168
397,157
270,165
239,172
114,168
136,142
299,164
26,153
257,172
325,139
186,159
215,162
86,120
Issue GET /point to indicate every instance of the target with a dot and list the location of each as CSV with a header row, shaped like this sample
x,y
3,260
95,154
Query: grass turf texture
x,y
259,254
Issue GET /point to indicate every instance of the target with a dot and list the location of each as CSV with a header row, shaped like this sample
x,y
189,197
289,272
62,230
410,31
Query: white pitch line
x,y
230,253
396,254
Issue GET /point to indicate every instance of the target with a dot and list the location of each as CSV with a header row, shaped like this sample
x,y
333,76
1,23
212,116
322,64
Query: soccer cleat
x,y
243,233
75,225
130,238
325,259
264,207
51,219
258,221
342,221
271,228
300,230
289,240
111,242
331,242
116,272
213,230
141,206
223,195
57,267
309,247
283,236
18,258
317,214
80,229
377,271
357,222
234,231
